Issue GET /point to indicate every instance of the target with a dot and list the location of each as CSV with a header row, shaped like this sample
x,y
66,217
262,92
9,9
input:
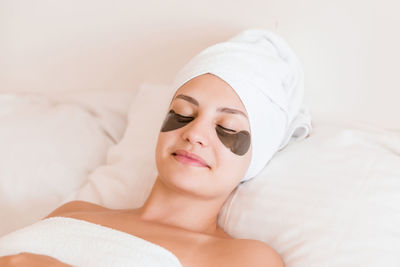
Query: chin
x,y
180,172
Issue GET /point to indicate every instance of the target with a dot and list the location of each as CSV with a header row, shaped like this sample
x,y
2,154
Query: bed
x,y
77,79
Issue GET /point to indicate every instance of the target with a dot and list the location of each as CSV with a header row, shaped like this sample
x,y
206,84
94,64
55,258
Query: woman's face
x,y
204,145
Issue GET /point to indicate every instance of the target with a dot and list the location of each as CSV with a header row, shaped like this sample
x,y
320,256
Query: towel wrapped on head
x,y
268,77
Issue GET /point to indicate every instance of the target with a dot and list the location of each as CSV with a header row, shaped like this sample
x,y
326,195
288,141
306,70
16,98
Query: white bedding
x,y
49,144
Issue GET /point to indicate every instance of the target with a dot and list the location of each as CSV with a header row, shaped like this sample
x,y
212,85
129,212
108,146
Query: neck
x,y
180,209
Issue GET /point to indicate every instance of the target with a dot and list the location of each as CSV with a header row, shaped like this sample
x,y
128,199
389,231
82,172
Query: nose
x,y
197,132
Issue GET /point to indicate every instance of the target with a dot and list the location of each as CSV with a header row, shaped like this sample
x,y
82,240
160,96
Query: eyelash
x,y
191,118
184,118
226,129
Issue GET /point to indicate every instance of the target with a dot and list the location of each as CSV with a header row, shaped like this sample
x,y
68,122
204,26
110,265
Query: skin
x,y
182,209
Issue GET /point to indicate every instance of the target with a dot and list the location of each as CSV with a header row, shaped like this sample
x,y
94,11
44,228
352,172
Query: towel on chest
x,y
81,243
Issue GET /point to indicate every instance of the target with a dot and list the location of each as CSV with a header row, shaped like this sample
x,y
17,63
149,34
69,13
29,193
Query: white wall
x,y
349,49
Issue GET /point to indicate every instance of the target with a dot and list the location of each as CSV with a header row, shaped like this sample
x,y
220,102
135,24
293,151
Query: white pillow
x,y
47,149
126,179
329,200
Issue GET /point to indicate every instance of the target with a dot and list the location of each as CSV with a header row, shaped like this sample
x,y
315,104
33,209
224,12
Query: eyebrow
x,y
225,110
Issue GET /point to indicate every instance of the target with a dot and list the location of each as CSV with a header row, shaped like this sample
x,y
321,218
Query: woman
x,y
221,129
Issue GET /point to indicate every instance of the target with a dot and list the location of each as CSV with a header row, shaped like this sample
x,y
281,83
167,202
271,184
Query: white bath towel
x,y
81,243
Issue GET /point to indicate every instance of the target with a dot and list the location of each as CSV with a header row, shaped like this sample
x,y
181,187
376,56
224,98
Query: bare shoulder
x,y
75,206
254,253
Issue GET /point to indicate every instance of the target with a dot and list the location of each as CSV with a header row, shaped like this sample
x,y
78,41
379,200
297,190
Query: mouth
x,y
188,158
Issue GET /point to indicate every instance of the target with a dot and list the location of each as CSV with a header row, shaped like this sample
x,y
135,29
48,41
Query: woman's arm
x,y
31,260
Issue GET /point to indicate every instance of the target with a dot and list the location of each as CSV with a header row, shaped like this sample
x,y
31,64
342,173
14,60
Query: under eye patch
x,y
174,121
238,143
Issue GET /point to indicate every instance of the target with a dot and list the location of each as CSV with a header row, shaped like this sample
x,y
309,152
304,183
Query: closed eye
x,y
182,118
226,129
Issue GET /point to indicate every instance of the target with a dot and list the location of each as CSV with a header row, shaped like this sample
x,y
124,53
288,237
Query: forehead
x,y
211,89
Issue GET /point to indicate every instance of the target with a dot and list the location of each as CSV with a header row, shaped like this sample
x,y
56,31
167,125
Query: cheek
x,y
232,166
162,152
163,143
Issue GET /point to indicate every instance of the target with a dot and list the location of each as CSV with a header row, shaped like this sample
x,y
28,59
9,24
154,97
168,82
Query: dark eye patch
x,y
174,121
238,143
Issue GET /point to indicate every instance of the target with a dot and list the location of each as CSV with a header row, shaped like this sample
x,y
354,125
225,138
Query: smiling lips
x,y
189,158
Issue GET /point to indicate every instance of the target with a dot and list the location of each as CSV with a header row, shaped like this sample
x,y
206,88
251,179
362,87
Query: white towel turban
x,y
268,78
